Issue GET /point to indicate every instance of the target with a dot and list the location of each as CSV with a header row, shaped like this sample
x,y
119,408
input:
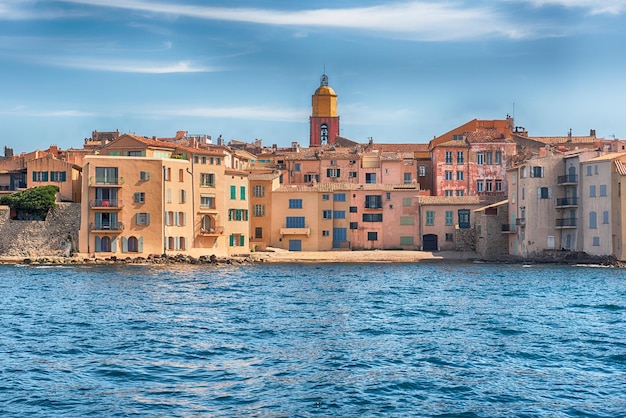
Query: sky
x,y
404,71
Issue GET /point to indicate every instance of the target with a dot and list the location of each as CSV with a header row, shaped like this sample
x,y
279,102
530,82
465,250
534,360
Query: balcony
x,y
568,180
106,182
104,204
107,227
520,221
212,232
565,202
566,223
207,209
295,231
508,229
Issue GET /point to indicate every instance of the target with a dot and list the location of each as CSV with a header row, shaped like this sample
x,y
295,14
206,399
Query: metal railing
x,y
106,226
567,201
565,222
106,203
569,178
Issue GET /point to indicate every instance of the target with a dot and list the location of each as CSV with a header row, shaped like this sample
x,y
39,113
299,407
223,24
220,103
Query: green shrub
x,y
34,202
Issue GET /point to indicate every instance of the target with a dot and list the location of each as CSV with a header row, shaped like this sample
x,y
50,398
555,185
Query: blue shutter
x,y
140,244
114,245
98,244
124,244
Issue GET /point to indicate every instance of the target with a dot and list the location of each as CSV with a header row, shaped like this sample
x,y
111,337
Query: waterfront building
x,y
491,242
262,185
334,216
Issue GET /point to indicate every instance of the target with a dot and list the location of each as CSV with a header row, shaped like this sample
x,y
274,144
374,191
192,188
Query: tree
x,y
32,203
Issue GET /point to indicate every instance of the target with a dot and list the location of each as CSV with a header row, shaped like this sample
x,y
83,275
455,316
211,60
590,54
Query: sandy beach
x,y
276,255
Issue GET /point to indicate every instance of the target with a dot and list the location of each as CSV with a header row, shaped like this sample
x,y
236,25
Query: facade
x,y
491,242
344,216
262,185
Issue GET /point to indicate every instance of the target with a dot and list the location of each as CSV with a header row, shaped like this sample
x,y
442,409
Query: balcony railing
x,y
106,203
106,226
566,223
217,230
306,230
567,201
520,221
567,179
106,181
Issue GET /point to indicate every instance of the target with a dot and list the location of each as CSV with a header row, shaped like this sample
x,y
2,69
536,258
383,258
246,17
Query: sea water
x,y
284,340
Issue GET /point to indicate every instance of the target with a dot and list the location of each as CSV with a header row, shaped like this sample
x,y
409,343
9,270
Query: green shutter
x,y
242,240
34,176
232,240
243,192
233,192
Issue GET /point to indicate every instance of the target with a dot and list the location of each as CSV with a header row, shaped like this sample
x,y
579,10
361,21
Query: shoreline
x,y
274,255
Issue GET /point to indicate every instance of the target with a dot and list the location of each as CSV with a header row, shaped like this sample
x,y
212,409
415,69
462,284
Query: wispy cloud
x,y
415,20
30,10
25,111
595,7
115,65
242,112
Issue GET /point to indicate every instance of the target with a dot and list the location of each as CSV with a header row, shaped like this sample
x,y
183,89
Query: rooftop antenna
x,y
513,110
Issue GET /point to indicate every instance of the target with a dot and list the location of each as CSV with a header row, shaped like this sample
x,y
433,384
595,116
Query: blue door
x,y
295,245
339,235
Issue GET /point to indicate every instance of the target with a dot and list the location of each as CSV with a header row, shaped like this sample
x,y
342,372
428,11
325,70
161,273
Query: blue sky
x,y
404,71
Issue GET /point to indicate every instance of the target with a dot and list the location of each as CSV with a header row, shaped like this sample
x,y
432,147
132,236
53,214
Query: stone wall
x,y
465,239
56,236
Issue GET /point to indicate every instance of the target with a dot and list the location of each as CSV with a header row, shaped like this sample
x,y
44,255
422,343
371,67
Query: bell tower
x,y
324,120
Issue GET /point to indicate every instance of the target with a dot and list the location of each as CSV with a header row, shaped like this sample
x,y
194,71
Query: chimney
x,y
220,141
592,133
569,135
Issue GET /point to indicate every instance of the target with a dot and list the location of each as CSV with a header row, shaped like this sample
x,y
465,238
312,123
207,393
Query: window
x,y
339,197
327,214
325,233
522,173
421,171
295,222
460,192
593,224
58,176
459,157
373,202
449,193
370,178
406,202
372,236
480,186
182,196
207,180
498,157
259,210
605,217
536,171
233,192
448,175
596,241
196,159
218,160
297,167
407,178
211,160
489,158
142,219
352,174
203,159
167,173
430,217
133,245
105,244
464,218
544,193
207,224
325,197
449,237
237,214
242,192
449,217
372,217
104,175
498,185
459,175
480,158
40,176
603,190
259,191
323,134
592,191
353,209
354,225
144,176
295,203
181,175
388,196
207,201
595,169
407,220
408,240
310,178
139,197
339,214
448,157
588,170
258,232
333,172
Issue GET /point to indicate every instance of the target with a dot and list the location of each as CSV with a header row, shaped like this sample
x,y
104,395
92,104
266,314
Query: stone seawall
x,y
56,236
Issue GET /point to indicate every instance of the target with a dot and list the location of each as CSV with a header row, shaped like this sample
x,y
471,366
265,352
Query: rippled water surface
x,y
313,340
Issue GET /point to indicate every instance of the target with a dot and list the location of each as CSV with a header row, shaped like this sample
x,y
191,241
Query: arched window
x,y
207,224
133,245
323,134
105,244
